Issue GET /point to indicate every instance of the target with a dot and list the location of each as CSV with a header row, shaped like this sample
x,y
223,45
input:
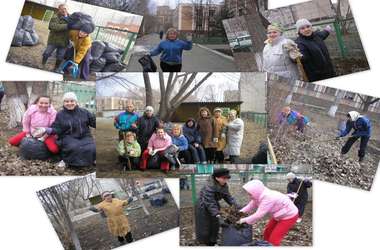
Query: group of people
x,y
65,133
284,210
68,43
307,58
145,143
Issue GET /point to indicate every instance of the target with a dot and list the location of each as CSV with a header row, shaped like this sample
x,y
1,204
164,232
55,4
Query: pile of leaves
x,y
232,216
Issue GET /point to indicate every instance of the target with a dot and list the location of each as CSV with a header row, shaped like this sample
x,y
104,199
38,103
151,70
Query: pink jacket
x,y
267,201
33,118
156,142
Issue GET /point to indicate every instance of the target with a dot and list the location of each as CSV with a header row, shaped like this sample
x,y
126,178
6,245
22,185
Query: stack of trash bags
x,y
78,19
106,58
158,200
25,34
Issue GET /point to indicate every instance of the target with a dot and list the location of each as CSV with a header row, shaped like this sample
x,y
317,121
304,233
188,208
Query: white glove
x,y
215,139
38,132
328,28
223,135
293,195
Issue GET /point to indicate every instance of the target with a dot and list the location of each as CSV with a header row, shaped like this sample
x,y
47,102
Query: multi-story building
x,y
165,17
190,17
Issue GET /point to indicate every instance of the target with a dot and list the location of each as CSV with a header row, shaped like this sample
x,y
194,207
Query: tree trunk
x,y
337,100
38,89
148,90
17,98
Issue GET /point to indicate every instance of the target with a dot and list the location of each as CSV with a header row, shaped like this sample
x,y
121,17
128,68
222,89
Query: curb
x,y
216,52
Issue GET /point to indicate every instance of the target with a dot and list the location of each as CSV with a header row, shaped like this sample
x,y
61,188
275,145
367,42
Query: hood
x,y
255,188
35,108
354,115
194,122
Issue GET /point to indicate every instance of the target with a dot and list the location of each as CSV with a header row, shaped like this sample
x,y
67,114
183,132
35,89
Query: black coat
x,y
207,207
316,58
74,136
146,126
302,193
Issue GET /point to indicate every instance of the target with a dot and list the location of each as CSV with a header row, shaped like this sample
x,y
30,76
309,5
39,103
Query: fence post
x,y
97,33
193,190
128,46
339,37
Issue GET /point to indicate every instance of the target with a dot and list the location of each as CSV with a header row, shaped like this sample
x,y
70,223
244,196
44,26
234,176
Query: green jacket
x,y
135,147
59,34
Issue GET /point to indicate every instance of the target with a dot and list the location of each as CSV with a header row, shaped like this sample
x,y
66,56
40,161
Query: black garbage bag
x,y
158,200
154,162
166,190
78,19
97,49
18,37
33,149
111,48
236,236
28,23
261,155
98,65
148,64
30,38
112,57
115,67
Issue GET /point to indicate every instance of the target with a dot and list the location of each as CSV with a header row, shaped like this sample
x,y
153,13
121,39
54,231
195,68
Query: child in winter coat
x,y
282,210
39,116
293,118
191,132
129,151
362,129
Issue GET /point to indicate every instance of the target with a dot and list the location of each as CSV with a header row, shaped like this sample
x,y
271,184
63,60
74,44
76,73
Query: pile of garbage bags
x,y
106,58
25,34
78,19
158,201
33,149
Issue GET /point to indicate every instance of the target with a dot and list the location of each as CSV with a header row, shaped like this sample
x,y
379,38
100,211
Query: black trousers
x,y
219,156
210,154
1,97
363,145
170,68
186,155
234,159
128,237
134,161
301,207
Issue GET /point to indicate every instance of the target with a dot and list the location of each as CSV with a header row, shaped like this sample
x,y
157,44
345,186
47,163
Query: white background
x,y
344,218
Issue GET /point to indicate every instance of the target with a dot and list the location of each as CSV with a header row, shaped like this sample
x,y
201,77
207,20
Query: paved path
x,y
199,59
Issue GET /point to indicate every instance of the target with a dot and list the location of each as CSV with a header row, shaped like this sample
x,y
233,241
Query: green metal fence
x,y
258,118
340,44
85,94
122,39
48,15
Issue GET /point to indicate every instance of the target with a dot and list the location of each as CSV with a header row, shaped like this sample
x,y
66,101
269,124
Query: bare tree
x,y
185,83
333,108
129,185
367,101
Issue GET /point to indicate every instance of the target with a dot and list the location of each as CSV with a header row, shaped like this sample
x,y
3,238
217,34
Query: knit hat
x,y
70,96
217,110
87,28
106,193
275,27
149,108
302,23
290,176
221,172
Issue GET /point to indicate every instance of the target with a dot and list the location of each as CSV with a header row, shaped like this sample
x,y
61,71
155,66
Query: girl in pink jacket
x,y
279,206
157,144
39,116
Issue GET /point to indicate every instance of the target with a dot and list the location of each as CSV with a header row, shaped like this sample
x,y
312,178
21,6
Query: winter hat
x,y
302,23
70,96
149,108
106,193
217,110
221,172
275,27
290,176
87,28
353,115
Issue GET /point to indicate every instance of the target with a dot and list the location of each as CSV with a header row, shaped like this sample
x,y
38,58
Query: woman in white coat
x,y
235,132
278,54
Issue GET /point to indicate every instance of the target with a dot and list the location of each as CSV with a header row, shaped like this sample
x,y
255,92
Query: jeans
x,y
198,153
60,51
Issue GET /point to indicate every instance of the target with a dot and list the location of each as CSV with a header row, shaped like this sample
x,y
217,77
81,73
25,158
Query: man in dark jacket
x,y
299,187
207,213
58,39
362,129
315,55
191,131
146,126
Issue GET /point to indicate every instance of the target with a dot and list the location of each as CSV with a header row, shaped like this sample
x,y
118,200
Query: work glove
x,y
222,222
328,28
293,195
241,221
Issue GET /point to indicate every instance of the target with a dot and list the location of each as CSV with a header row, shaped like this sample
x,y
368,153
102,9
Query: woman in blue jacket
x,y
171,51
182,144
362,129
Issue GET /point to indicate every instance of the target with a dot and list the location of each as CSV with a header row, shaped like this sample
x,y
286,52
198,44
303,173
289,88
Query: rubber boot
x,y
57,64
